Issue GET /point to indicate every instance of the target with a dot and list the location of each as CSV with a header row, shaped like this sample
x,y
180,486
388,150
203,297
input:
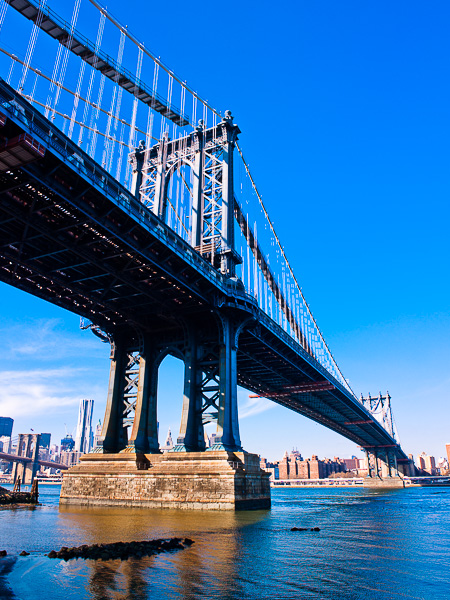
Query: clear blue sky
x,y
344,111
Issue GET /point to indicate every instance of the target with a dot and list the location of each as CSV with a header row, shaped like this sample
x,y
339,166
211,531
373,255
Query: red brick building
x,y
293,466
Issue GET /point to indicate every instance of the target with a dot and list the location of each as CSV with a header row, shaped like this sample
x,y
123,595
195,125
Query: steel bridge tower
x,y
205,340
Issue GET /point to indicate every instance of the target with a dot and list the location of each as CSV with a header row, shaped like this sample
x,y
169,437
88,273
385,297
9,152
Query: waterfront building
x,y
293,466
5,443
426,464
447,447
442,465
53,453
271,468
70,457
84,437
351,463
44,454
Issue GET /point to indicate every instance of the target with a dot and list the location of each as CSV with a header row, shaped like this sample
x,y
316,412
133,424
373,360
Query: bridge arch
x,y
177,199
170,376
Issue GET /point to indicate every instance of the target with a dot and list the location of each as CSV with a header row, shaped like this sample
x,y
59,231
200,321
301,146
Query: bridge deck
x,y
71,234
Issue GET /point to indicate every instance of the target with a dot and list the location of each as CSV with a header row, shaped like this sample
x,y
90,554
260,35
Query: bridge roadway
x,y
72,235
24,459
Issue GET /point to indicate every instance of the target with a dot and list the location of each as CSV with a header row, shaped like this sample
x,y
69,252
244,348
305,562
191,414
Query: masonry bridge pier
x,y
172,253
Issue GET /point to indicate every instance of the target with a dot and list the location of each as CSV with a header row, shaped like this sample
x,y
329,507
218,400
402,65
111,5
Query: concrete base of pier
x,y
385,483
213,480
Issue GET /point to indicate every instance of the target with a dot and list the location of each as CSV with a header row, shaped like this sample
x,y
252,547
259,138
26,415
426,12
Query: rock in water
x,y
122,550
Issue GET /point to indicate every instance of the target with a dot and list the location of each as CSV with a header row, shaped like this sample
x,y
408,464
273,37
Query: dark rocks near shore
x,y
8,498
121,550
305,528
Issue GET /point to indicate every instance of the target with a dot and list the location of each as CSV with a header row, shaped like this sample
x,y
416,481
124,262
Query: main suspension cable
x,y
289,267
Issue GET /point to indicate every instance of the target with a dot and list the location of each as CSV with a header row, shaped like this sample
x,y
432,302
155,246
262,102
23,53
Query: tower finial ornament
x,y
228,116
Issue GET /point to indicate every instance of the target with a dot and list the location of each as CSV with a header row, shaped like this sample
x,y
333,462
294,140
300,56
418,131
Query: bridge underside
x,y
110,270
70,234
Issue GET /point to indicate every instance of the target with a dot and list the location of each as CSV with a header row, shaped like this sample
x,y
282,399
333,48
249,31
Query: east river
x,y
371,546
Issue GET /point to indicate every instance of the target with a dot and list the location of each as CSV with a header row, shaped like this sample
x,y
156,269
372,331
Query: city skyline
x,y
364,195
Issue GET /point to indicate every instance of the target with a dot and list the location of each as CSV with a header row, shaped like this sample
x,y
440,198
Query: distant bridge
x,y
26,462
23,459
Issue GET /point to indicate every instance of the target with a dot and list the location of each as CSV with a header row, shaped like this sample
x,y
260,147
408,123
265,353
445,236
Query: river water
x,y
371,546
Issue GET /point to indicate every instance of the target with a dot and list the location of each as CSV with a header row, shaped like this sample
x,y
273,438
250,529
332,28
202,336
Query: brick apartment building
x,y
293,466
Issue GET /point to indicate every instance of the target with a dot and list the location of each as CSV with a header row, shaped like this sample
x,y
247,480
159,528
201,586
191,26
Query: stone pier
x,y
213,480
383,471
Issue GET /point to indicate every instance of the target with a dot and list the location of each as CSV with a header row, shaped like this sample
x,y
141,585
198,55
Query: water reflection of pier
x,y
209,563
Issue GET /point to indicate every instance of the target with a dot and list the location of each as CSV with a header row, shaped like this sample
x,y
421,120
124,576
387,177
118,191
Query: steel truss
x,y
209,218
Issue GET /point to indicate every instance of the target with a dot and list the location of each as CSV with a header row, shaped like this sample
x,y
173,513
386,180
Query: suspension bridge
x,y
126,198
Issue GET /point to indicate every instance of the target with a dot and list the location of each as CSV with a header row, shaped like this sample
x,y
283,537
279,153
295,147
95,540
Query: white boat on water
x,y
49,479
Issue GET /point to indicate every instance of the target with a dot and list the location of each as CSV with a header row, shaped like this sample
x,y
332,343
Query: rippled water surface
x,y
371,546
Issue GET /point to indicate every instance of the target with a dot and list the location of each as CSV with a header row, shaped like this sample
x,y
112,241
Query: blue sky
x,y
344,112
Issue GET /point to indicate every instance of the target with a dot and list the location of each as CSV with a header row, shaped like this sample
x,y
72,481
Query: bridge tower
x,y
28,448
383,468
205,340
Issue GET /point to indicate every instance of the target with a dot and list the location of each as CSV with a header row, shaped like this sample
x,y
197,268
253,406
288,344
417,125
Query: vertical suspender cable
x,y
62,72
108,148
76,98
11,70
33,90
131,138
53,81
3,10
94,117
194,111
120,157
31,45
151,112
98,42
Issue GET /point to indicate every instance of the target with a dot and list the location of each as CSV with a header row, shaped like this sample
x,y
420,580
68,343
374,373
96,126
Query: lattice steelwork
x,y
210,386
211,238
131,384
200,198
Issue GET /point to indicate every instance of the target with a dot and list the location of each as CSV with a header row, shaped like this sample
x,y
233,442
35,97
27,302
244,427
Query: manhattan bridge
x,y
126,198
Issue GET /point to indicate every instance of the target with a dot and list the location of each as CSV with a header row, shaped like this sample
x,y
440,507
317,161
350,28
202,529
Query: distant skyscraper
x,y
67,443
6,425
84,436
45,440
447,447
